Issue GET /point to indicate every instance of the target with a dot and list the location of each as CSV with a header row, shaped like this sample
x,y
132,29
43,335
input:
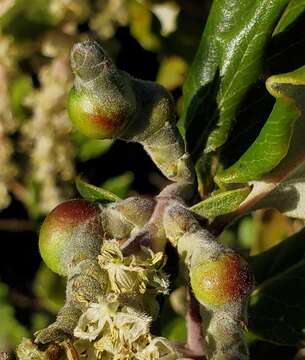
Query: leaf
x,y
279,258
221,203
90,148
175,329
227,63
272,143
94,193
284,187
119,185
294,9
277,308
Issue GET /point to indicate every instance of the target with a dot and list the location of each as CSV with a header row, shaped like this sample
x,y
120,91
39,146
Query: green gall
x,y
222,281
101,104
72,232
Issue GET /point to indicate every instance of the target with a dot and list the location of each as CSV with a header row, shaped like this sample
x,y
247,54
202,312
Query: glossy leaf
x,y
221,203
294,9
272,143
284,187
227,63
94,193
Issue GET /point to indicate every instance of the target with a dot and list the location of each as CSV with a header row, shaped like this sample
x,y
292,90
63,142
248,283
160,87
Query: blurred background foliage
x,y
41,154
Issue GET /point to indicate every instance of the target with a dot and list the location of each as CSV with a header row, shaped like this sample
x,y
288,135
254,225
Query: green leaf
x,y
119,185
294,9
94,193
221,203
277,308
272,143
284,187
175,329
279,258
90,148
227,63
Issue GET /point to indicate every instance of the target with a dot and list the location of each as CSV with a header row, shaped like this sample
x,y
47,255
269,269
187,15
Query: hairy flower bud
x,y
222,281
72,232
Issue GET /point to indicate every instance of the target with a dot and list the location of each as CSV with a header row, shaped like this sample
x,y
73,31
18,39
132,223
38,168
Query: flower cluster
x,y
118,326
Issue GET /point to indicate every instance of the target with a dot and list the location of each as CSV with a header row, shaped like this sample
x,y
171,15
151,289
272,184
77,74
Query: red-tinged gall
x,y
221,281
70,233
94,116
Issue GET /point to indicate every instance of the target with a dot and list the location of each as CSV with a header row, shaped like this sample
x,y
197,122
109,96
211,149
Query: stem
x,y
194,325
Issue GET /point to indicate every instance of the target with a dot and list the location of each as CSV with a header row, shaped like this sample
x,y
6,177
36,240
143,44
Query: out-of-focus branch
x,y
17,225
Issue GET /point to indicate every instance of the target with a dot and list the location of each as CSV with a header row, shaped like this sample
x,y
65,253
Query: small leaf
x,y
294,9
221,203
272,143
90,148
94,193
175,329
119,185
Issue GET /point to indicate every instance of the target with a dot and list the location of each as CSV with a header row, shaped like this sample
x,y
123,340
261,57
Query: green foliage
x,y
119,185
94,193
228,61
221,203
175,329
272,144
247,142
90,148
293,11
11,331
